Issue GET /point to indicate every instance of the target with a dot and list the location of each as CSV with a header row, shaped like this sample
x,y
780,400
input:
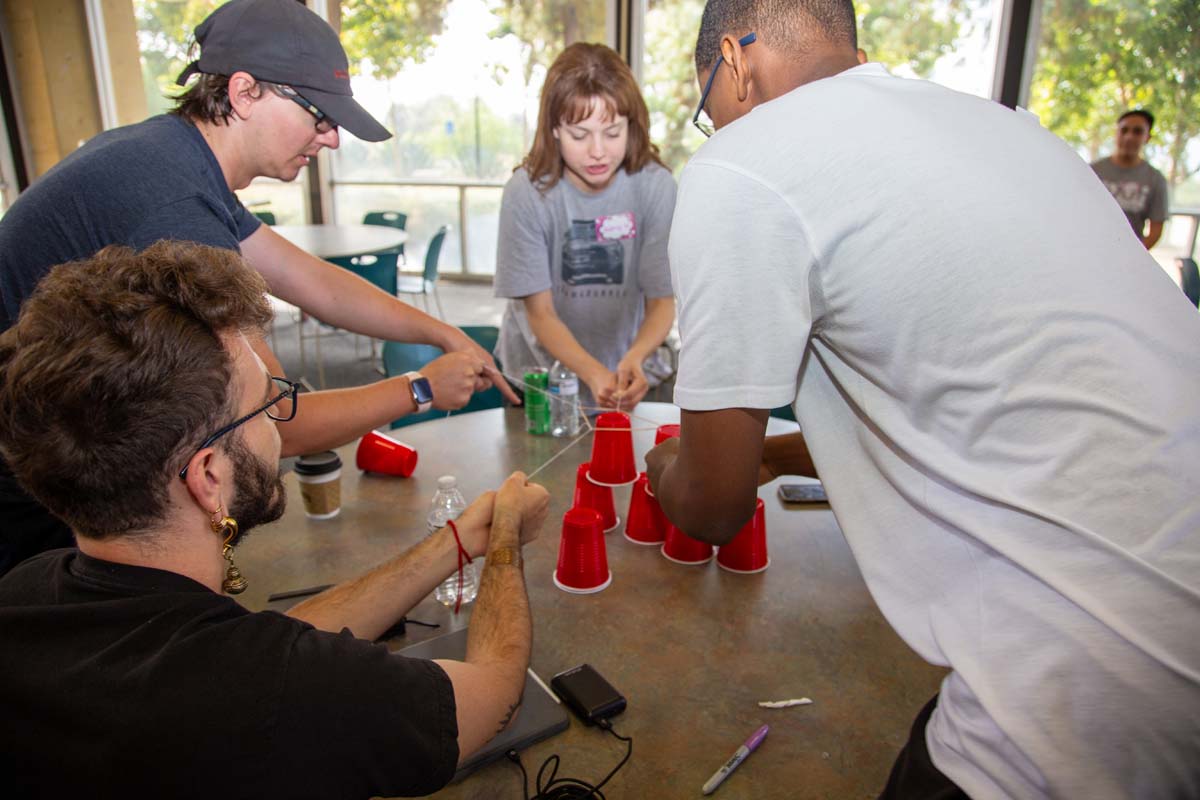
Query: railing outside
x,y
471,207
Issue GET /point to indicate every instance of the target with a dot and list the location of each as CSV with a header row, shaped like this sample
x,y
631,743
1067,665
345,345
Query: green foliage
x,y
669,78
546,27
165,34
1098,58
389,33
913,32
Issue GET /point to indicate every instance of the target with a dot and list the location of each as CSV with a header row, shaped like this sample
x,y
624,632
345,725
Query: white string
x,y
579,410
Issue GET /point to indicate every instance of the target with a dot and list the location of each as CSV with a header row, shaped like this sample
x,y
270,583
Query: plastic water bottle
x,y
564,401
448,503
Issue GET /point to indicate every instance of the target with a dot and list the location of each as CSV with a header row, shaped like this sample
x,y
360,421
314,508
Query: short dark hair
x,y
1139,112
207,99
786,25
114,373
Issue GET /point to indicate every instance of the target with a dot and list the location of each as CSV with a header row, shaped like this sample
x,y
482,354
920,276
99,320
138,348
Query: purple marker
x,y
742,752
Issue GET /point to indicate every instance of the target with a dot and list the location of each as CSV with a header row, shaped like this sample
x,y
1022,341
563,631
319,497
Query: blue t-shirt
x,y
154,180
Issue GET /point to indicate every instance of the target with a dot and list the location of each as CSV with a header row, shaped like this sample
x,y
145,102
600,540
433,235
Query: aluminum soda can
x,y
537,403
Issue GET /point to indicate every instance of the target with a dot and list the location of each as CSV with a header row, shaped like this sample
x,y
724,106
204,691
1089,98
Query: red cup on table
x,y
747,552
582,557
385,455
596,497
645,523
612,451
683,549
663,433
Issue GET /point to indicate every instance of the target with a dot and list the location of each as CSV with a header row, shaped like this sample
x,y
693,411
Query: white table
x,y
336,241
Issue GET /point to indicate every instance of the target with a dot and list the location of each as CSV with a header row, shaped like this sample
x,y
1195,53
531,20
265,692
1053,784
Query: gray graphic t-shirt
x,y
1140,191
600,255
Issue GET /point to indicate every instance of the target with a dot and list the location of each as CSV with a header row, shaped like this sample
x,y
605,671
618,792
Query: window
x,y
457,82
952,42
1099,58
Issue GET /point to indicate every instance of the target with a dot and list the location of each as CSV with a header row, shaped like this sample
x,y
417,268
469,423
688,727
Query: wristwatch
x,y
422,392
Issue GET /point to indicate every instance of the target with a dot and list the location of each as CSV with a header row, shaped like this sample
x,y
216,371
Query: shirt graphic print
x,y
592,251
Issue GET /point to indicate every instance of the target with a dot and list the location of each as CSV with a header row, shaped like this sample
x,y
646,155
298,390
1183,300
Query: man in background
x,y
1139,189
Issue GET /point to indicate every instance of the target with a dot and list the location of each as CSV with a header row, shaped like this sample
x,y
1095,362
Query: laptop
x,y
541,714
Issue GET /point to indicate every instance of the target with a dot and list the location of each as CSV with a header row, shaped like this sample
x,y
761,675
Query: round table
x,y
692,648
337,241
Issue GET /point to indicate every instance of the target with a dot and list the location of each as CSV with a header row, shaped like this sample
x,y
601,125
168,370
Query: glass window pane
x,y
457,82
1099,58
952,42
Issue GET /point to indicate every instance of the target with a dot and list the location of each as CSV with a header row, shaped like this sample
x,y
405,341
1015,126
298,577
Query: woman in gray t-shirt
x,y
584,224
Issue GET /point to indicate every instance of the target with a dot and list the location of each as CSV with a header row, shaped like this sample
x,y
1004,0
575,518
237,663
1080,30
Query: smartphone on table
x,y
802,493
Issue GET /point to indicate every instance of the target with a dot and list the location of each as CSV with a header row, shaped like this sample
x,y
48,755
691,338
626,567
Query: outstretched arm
x,y
341,298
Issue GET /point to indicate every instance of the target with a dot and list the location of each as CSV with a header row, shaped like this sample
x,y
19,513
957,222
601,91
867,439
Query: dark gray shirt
x,y
154,180
1140,191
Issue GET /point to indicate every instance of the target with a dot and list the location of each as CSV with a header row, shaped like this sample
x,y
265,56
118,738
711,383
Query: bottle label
x,y
570,386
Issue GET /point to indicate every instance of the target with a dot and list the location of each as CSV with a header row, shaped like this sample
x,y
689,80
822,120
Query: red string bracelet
x,y
464,558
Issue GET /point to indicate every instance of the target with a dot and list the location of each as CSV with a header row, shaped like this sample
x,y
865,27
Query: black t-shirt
x,y
122,681
135,185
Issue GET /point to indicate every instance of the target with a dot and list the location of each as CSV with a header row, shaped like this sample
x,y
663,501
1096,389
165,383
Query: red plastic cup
x,y
612,451
748,550
582,557
645,523
665,432
596,497
683,549
385,455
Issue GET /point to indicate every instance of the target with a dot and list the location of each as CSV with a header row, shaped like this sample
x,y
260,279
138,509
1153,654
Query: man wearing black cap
x,y
273,88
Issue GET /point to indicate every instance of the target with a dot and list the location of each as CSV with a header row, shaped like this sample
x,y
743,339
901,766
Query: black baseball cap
x,y
281,41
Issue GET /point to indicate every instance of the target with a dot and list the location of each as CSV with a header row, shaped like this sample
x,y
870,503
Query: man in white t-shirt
x,y
1000,405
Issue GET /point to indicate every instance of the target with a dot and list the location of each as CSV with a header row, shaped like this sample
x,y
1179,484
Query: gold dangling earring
x,y
234,583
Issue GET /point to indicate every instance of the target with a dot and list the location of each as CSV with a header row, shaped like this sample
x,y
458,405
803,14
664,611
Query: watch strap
x,y
414,376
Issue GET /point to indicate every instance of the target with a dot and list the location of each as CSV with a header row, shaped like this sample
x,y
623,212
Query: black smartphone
x,y
586,693
802,493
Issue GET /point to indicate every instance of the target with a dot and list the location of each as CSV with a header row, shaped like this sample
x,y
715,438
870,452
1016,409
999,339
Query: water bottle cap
x,y
447,482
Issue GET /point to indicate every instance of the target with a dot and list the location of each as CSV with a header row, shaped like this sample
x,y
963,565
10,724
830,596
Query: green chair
x,y
376,268
426,284
267,217
388,219
399,358
784,412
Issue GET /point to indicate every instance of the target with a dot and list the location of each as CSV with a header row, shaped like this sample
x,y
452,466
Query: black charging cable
x,y
550,787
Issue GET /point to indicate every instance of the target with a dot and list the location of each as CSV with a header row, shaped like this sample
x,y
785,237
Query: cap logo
x,y
342,74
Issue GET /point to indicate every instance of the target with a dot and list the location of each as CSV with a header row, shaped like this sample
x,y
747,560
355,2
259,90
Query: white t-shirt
x,y
1001,392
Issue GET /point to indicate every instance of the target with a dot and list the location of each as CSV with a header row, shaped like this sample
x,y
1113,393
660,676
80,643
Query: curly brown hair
x,y
113,373
581,73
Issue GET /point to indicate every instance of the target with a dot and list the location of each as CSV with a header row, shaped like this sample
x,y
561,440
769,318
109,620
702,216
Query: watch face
x,y
422,391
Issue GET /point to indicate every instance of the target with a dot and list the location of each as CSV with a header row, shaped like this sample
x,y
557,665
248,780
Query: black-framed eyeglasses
x,y
281,408
707,127
323,123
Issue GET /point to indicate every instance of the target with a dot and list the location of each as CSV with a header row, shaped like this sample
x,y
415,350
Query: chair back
x,y
434,252
268,217
377,268
401,357
1189,278
387,219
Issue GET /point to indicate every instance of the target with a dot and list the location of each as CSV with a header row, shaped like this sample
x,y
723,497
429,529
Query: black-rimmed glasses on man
x,y
281,408
707,127
323,123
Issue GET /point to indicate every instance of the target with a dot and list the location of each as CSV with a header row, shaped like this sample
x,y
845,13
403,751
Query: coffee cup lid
x,y
318,463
